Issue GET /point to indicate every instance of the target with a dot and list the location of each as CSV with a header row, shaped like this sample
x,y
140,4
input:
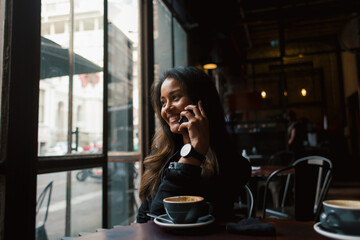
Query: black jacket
x,y
184,179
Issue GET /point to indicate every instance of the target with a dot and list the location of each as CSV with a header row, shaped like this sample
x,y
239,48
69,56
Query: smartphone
x,y
184,119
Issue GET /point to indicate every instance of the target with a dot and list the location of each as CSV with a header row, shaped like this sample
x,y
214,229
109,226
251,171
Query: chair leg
x,y
275,194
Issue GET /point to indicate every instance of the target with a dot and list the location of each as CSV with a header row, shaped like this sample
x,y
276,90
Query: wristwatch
x,y
188,151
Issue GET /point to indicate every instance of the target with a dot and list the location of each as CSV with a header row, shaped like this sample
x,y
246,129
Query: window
x,y
85,194
45,29
59,27
86,84
79,25
41,105
180,45
170,40
162,39
71,152
71,113
79,115
89,24
123,111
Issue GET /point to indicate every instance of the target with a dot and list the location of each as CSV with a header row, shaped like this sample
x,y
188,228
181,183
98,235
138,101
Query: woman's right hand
x,y
197,134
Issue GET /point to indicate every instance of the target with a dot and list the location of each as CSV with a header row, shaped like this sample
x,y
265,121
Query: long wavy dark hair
x,y
197,86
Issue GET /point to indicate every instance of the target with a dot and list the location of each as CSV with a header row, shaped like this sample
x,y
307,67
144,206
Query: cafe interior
x,y
76,117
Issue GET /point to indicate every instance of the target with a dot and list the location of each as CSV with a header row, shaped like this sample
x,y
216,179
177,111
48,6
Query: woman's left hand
x,y
198,134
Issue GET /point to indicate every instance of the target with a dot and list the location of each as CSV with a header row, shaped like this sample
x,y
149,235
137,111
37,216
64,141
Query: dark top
x,y
184,179
297,145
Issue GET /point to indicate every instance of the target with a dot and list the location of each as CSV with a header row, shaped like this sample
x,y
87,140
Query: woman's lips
x,y
174,119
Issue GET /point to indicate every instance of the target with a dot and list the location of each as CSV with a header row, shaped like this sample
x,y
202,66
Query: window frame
x,y
20,114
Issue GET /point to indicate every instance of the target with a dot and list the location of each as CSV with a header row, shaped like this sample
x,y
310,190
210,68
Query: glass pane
x,y
180,45
2,21
123,194
85,198
55,222
86,97
162,38
54,78
123,104
123,107
87,113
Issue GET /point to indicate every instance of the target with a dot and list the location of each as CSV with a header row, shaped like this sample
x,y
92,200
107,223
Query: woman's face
x,y
173,101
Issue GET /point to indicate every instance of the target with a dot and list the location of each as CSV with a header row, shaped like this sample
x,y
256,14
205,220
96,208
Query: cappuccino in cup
x,y
186,209
341,216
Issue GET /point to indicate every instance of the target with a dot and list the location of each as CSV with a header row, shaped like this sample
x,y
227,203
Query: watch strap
x,y
193,153
197,155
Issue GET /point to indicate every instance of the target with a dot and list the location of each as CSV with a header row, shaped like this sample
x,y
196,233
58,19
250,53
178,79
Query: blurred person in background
x,y
297,135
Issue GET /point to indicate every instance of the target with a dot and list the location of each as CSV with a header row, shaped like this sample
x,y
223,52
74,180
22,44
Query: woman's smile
x,y
173,118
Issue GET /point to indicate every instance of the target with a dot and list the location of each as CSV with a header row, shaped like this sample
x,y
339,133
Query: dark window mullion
x,y
147,74
68,163
22,115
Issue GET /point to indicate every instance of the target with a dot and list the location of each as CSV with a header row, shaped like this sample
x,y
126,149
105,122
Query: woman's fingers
x,y
201,108
198,109
192,108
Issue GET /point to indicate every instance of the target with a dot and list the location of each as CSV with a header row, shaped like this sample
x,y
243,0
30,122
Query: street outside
x,y
86,204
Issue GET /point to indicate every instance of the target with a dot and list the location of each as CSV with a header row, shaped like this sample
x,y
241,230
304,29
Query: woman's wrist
x,y
201,148
190,160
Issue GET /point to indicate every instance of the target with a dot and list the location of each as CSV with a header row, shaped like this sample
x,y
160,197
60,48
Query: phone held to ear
x,y
184,119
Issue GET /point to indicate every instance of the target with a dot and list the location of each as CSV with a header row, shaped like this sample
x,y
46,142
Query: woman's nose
x,y
168,106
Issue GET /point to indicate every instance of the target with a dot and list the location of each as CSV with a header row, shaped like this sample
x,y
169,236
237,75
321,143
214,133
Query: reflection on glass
x,y
85,198
85,101
180,45
162,38
123,192
123,75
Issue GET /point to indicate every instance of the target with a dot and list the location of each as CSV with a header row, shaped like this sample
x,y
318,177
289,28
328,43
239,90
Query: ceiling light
x,y
303,92
210,66
263,94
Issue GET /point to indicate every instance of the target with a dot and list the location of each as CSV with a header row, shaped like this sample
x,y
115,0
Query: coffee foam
x,y
180,199
348,204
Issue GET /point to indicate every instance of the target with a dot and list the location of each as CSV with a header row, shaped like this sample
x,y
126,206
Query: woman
x,y
213,169
296,135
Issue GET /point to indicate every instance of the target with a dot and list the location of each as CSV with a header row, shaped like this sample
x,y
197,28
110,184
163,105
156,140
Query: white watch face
x,y
185,150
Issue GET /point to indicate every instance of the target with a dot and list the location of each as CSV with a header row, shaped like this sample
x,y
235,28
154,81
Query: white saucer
x,y
163,223
324,232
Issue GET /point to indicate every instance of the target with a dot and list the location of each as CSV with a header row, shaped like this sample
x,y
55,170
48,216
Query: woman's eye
x,y
163,103
175,97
